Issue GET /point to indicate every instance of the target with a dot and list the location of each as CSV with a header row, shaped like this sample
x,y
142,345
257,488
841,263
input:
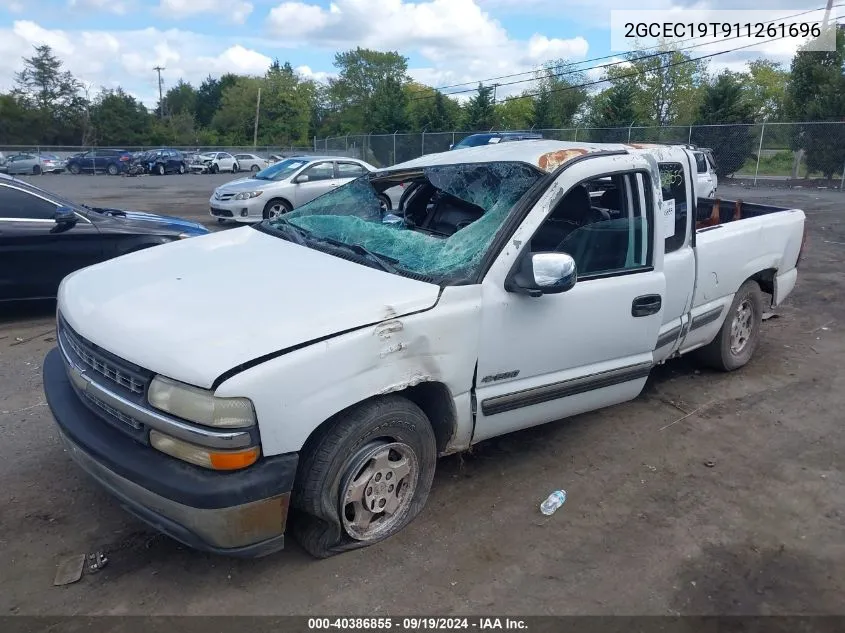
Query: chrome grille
x,y
119,415
224,196
100,365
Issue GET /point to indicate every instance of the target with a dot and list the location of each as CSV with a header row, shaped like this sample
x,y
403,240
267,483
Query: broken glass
x,y
352,215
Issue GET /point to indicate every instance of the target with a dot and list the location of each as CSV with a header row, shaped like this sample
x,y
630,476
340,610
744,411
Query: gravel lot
x,y
648,526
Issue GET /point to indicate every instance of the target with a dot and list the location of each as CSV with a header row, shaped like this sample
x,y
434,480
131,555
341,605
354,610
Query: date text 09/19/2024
x,y
417,623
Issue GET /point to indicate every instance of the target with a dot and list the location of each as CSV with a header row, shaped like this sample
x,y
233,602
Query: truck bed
x,y
711,212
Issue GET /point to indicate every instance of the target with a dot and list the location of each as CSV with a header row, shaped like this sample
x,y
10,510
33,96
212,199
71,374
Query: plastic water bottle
x,y
554,501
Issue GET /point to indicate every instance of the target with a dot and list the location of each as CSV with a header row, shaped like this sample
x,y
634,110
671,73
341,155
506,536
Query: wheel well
x,y
766,280
282,198
435,400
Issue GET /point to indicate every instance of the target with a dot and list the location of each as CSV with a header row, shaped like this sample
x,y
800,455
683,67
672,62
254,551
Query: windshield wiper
x,y
380,260
298,234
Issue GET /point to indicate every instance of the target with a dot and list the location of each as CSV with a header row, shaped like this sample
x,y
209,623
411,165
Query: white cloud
x,y
307,73
12,6
126,58
458,38
118,7
236,12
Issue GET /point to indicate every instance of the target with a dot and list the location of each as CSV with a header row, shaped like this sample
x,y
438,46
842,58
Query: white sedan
x,y
213,162
251,162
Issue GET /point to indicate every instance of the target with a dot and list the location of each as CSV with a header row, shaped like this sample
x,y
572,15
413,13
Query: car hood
x,y
194,309
144,222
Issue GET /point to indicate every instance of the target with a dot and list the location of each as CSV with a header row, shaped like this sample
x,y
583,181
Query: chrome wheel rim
x,y
382,203
378,488
275,211
741,326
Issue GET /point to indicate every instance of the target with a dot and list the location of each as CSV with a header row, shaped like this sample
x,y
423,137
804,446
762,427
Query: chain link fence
x,y
754,152
760,152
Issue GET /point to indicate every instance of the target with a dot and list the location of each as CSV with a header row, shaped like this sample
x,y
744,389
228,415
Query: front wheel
x,y
363,478
739,336
235,168
213,169
275,208
254,168
74,169
181,168
160,170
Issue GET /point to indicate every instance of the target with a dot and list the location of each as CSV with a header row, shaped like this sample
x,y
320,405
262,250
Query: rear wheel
x,y
112,169
363,478
235,168
36,170
275,208
160,170
739,336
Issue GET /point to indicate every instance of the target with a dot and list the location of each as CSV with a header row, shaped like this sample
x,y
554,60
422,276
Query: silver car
x,y
286,185
35,164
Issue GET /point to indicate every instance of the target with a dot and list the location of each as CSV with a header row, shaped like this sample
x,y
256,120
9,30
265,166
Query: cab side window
x,y
18,204
604,224
673,187
700,163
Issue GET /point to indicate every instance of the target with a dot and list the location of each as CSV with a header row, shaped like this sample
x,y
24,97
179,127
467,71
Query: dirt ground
x,y
708,494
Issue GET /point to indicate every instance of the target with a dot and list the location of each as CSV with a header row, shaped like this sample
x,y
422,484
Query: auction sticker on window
x,y
668,217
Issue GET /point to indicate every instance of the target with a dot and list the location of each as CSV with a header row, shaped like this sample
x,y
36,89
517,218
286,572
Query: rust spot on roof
x,y
552,160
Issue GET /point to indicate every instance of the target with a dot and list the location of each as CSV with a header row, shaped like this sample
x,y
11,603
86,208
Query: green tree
x,y
725,102
360,73
387,107
479,112
558,95
209,96
15,120
53,95
286,106
181,99
235,119
669,86
614,106
119,119
816,92
429,109
515,114
765,82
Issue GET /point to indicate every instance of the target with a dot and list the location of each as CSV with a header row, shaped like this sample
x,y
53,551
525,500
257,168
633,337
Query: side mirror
x,y
543,273
301,178
64,215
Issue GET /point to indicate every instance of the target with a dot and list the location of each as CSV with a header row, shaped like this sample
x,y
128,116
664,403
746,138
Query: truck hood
x,y
194,309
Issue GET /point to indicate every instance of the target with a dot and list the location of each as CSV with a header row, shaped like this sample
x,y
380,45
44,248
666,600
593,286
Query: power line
x,y
636,73
570,65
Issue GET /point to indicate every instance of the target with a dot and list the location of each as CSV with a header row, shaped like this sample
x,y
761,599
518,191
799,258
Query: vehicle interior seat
x,y
572,211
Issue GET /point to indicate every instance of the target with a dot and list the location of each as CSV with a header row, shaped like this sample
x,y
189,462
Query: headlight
x,y
199,405
246,195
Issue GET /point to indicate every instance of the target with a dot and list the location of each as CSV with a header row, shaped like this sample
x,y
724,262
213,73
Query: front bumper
x,y
251,210
238,514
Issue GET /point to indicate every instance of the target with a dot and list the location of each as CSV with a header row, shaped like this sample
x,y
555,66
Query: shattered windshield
x,y
448,218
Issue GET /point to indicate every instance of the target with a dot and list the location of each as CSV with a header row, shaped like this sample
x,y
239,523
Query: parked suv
x,y
111,161
163,161
474,140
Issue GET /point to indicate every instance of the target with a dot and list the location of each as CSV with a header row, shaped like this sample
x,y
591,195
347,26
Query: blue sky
x,y
116,42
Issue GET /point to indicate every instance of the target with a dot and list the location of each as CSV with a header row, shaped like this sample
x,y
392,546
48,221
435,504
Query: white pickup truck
x,y
517,284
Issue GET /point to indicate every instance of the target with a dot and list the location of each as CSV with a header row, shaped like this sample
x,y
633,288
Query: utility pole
x,y
255,129
495,86
827,15
158,69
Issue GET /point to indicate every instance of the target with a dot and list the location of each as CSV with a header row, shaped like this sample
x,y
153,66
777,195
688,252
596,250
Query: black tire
x,y
112,169
160,169
254,168
74,169
727,352
36,170
328,463
181,169
235,168
384,201
214,168
281,207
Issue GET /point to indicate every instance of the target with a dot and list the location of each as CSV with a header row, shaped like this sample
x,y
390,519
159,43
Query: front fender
x,y
296,392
